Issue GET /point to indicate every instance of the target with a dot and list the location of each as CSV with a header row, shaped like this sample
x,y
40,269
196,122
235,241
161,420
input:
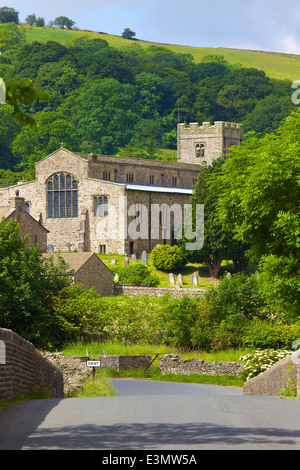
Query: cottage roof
x,y
76,260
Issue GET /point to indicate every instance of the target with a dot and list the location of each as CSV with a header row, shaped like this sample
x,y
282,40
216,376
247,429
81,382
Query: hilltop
x,y
274,64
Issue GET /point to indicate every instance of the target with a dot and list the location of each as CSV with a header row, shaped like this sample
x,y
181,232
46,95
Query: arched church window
x,y
62,196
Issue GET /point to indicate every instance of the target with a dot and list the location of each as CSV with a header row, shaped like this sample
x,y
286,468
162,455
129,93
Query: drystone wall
x,y
273,381
172,363
124,362
135,291
23,368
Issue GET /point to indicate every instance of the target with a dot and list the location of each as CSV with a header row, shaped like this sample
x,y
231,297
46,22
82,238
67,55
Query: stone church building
x,y
108,204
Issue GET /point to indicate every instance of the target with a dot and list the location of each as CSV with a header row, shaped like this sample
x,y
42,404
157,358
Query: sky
x,y
267,25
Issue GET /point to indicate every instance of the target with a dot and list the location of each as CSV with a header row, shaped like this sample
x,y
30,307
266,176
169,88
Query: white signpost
x,y
93,364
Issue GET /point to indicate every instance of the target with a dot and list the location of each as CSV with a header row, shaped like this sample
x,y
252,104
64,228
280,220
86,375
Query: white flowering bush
x,y
260,360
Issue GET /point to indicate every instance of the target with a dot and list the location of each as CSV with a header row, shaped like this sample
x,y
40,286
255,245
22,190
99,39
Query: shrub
x,y
236,297
262,334
136,274
167,258
261,360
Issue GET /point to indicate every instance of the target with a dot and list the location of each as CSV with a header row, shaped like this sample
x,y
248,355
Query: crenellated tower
x,y
204,143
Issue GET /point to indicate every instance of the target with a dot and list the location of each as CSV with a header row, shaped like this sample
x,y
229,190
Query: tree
x,y
219,243
9,15
128,33
11,36
40,22
259,190
64,21
31,19
28,284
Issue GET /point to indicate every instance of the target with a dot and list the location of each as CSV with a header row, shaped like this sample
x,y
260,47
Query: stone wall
x,y
23,368
172,363
272,381
124,362
134,291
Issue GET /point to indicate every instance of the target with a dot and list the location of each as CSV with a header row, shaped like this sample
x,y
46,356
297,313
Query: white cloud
x,y
290,44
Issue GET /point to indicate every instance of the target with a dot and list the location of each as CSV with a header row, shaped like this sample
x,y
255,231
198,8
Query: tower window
x,y
62,197
199,150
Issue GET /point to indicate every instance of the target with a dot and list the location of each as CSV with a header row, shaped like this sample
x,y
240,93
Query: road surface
x,y
149,416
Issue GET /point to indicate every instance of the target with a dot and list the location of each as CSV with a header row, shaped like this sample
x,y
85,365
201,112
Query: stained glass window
x,y
62,197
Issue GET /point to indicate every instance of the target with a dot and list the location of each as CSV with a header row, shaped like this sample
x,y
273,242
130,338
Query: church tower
x,y
205,143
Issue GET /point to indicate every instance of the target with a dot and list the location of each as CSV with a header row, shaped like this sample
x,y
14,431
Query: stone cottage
x,y
89,271
35,231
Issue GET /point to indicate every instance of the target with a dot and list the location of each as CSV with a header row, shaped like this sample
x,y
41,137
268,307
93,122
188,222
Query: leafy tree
x,y
40,22
9,15
31,19
258,193
64,21
11,36
219,243
28,284
128,33
9,129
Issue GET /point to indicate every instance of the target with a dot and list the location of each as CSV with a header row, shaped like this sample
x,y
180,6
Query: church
x,y
116,205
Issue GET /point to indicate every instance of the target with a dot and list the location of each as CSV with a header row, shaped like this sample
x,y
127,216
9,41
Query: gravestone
x,y
171,279
113,261
195,279
69,246
179,278
126,261
50,249
177,285
133,258
144,258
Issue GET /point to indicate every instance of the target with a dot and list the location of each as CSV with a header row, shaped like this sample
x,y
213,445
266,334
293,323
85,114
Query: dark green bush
x,y
167,258
136,274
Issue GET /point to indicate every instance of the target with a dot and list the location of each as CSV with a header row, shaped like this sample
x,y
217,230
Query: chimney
x,y
17,201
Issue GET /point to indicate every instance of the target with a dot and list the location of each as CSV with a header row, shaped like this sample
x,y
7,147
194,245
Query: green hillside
x,y
275,65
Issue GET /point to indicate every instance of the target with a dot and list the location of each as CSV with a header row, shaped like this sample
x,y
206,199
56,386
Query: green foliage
x,y
11,36
167,258
9,15
219,242
258,192
128,33
28,284
64,21
129,98
136,274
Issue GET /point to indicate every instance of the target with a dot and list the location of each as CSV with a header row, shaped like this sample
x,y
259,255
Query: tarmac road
x,y
149,416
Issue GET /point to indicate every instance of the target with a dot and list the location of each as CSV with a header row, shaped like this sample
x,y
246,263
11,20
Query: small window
x,y
129,177
174,180
100,206
199,150
151,179
102,249
106,175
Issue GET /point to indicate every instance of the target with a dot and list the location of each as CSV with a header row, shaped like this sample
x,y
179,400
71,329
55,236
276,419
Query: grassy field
x,y
187,271
275,65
